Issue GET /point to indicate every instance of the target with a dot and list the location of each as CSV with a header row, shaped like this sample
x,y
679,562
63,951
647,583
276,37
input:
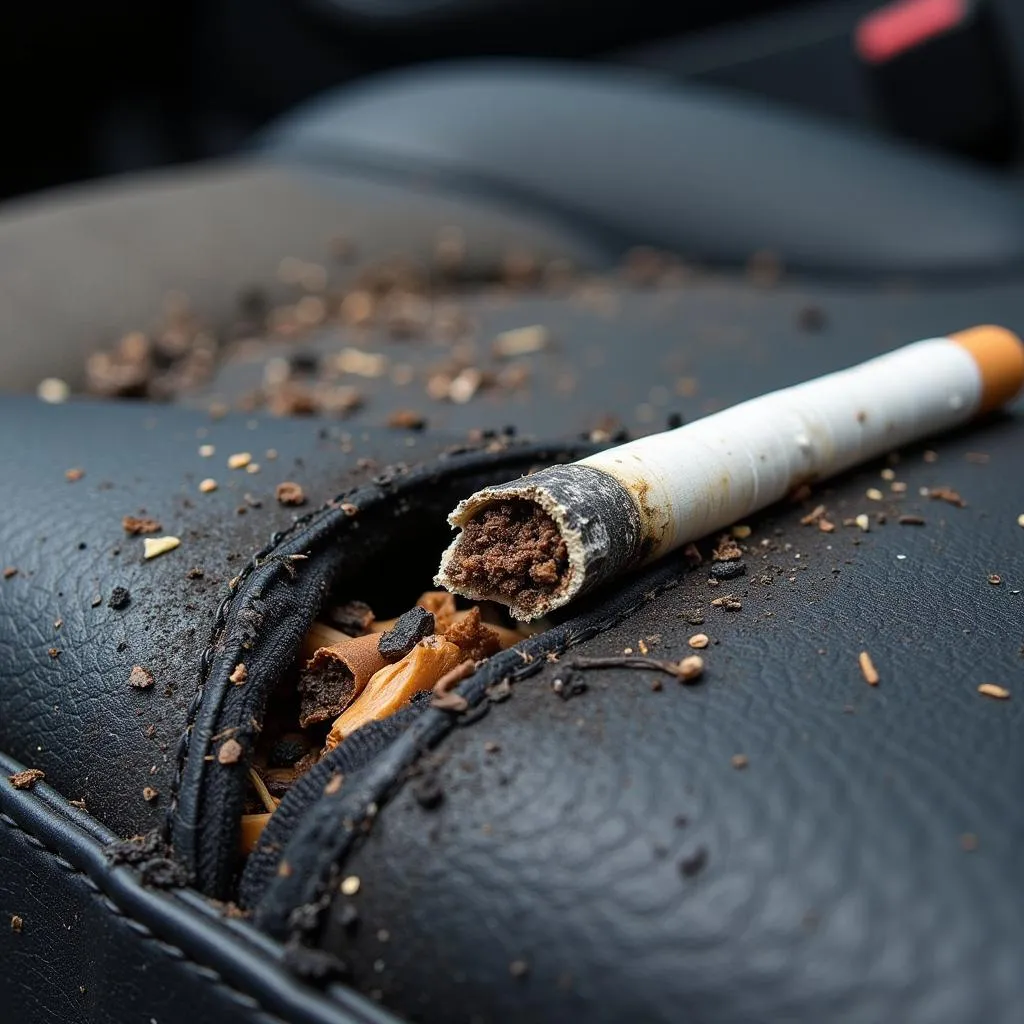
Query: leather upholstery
x,y
828,880
955,773
610,844
94,944
644,161
74,715
81,266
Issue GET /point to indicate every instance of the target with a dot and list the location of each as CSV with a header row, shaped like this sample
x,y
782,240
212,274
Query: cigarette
x,y
536,543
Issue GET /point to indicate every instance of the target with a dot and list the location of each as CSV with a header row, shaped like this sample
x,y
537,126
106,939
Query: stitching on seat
x,y
327,522
172,951
427,733
206,658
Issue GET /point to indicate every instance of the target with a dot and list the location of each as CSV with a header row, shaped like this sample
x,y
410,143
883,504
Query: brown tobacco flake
x,y
867,667
444,696
149,794
136,525
239,675
407,419
946,494
9,572
814,516
17,923
289,493
140,678
911,520
826,526
739,761
727,551
54,652
71,475
26,779
728,603
476,640
230,751
994,691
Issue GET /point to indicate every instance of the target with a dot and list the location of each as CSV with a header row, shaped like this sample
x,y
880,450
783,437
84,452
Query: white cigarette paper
x,y
701,477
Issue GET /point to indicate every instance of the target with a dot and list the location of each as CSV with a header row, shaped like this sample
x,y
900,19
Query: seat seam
x,y
212,976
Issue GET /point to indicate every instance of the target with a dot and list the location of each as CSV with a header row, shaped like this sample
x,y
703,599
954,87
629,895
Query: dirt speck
x,y
694,863
289,493
230,752
27,778
407,419
140,678
136,525
427,791
518,968
948,495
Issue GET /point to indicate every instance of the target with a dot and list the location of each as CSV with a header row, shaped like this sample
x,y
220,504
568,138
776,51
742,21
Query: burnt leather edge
x,y
261,622
293,903
228,954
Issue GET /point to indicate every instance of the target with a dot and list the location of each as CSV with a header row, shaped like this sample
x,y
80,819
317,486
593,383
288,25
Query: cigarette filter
x,y
540,541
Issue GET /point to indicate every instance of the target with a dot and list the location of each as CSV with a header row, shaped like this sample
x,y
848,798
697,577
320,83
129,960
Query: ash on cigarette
x,y
511,550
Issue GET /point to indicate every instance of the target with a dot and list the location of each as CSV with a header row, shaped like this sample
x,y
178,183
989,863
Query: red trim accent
x,y
900,26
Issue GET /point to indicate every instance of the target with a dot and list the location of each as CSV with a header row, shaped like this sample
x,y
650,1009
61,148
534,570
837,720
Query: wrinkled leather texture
x,y
74,714
388,529
835,885
93,944
694,170
604,858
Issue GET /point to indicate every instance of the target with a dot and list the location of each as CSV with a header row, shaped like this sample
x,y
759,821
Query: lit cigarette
x,y
536,543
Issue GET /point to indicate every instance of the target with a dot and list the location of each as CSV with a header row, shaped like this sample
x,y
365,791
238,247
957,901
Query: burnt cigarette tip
x,y
536,543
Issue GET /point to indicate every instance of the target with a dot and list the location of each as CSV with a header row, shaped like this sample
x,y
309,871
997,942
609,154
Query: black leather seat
x,y
633,160
596,859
